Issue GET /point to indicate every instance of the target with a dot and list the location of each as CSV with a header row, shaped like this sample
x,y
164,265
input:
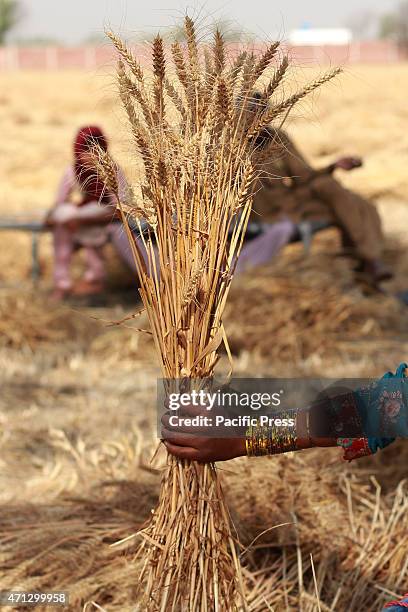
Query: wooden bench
x,y
36,228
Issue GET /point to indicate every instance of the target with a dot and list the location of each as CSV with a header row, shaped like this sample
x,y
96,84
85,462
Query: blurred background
x,y
377,31
76,386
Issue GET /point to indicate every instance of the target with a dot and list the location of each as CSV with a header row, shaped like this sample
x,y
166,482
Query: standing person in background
x,y
86,222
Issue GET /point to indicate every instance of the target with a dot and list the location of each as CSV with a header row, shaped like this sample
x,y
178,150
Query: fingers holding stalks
x,y
196,443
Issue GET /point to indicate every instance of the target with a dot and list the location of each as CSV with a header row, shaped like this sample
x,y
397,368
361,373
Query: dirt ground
x,y
76,408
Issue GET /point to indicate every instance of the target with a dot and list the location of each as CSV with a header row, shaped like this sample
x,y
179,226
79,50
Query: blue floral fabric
x,y
373,416
383,408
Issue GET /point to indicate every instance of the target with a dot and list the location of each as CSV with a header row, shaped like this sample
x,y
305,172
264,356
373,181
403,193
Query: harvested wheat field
x,y
77,428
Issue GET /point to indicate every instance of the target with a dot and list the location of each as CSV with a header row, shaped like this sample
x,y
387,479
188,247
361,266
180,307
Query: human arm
x,y
72,216
346,163
184,445
62,197
96,213
278,146
211,450
301,171
351,421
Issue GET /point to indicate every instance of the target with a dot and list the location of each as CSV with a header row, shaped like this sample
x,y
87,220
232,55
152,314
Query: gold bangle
x,y
271,440
284,438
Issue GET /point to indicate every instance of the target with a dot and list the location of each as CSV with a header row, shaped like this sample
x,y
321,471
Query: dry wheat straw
x,y
199,173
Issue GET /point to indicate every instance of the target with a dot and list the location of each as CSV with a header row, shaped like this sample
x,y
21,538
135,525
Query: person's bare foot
x,y
85,288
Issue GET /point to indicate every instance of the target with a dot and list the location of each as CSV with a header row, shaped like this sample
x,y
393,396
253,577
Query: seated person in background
x,y
290,188
87,223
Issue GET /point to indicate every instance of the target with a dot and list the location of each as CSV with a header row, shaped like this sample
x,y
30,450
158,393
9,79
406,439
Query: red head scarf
x,y
92,188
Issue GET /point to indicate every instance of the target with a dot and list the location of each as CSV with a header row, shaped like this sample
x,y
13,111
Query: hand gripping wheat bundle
x,y
196,126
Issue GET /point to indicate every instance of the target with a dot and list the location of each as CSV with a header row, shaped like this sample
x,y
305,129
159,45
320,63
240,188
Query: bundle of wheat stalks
x,y
195,128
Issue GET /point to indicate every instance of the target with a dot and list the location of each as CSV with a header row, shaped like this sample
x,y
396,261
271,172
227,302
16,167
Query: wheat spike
x,y
265,60
159,71
224,100
219,52
161,172
126,55
192,287
129,90
245,184
159,60
238,62
247,75
139,134
192,47
277,77
106,169
273,112
175,97
237,67
180,66
141,139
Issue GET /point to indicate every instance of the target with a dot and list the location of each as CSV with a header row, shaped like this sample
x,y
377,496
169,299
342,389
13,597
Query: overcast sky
x,y
74,20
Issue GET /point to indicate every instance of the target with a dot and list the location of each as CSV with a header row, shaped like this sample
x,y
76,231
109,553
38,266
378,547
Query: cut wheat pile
x,y
284,301
27,321
196,199
322,517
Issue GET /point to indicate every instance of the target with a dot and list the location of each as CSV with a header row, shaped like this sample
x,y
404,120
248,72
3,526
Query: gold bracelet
x,y
257,441
273,439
